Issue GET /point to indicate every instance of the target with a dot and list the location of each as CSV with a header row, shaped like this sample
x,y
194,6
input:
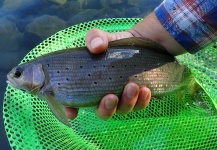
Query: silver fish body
x,y
81,79
77,78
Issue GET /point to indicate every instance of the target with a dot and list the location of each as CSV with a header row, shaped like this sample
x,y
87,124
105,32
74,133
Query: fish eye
x,y
18,72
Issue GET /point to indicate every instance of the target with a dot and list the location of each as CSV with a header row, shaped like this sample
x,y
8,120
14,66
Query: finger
x,y
128,99
97,40
71,112
107,106
143,98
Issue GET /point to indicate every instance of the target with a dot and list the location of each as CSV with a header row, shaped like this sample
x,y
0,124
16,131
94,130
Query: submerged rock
x,y
45,26
91,4
20,23
9,35
58,1
109,12
64,11
106,3
132,11
31,9
10,60
11,5
1,3
84,16
29,41
146,5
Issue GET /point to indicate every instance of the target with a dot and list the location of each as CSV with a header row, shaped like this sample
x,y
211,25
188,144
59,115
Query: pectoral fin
x,y
57,108
195,89
180,95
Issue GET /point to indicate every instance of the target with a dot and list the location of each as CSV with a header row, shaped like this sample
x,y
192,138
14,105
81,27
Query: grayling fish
x,y
77,78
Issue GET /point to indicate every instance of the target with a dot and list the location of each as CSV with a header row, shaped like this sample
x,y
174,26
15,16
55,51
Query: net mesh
x,y
164,124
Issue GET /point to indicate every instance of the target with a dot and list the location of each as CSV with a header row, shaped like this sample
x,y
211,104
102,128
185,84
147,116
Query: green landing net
x,y
164,124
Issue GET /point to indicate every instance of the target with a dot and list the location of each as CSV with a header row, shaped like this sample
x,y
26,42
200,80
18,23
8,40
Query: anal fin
x,y
57,108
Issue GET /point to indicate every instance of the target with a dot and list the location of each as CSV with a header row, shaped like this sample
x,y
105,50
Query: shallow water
x,y
26,23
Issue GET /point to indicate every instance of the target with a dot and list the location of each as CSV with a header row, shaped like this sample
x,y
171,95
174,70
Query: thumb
x,y
97,40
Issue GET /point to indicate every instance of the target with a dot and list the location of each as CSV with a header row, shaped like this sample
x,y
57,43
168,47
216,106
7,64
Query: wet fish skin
x,y
81,79
77,78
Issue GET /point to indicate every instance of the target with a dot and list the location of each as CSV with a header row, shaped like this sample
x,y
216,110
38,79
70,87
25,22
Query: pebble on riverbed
x,y
9,36
44,26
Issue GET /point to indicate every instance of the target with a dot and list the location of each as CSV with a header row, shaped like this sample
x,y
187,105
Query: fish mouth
x,y
10,80
13,84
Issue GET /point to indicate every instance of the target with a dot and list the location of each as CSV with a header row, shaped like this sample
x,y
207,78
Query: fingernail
x,y
131,91
96,42
110,103
146,93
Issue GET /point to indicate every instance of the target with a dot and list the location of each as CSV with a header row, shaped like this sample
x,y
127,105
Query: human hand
x,y
133,97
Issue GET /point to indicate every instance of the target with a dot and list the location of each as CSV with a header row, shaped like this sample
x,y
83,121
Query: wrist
x,y
152,29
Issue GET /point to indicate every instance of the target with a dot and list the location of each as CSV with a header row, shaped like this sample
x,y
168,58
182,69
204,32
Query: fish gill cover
x,y
164,124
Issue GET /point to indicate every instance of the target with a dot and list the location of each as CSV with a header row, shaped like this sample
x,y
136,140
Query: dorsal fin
x,y
139,42
133,42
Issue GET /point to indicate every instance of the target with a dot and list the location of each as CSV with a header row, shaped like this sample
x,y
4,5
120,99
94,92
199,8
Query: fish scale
x,y
77,78
108,73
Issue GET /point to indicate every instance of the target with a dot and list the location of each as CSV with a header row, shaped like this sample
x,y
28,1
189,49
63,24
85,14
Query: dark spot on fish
x,y
125,65
67,68
135,76
214,46
94,66
110,78
113,66
48,65
95,82
121,76
145,70
134,65
89,75
18,72
58,83
103,65
58,71
81,66
67,79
